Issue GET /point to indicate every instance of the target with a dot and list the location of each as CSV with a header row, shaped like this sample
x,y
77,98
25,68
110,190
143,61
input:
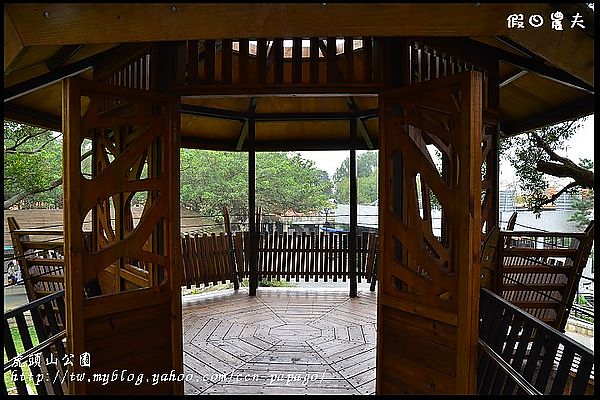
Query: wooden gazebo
x,y
136,82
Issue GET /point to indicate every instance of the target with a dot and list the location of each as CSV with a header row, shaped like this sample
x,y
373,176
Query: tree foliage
x,y
366,179
32,166
284,182
535,157
209,179
584,209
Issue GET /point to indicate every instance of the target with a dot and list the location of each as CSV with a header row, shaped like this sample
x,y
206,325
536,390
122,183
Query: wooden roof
x,y
546,76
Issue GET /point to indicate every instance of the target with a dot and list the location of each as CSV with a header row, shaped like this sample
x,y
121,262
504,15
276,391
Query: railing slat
x,y
28,344
244,57
192,49
226,60
261,58
11,353
314,60
349,56
297,60
531,349
277,49
209,60
583,375
331,60
562,373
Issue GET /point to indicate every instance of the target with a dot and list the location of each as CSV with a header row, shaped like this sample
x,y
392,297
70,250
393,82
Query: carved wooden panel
x,y
427,63
133,139
430,271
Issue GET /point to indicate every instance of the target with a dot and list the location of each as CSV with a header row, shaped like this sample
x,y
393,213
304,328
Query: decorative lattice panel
x,y
122,172
430,264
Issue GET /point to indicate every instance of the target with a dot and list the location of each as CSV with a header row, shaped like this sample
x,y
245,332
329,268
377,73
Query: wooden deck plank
x,y
280,332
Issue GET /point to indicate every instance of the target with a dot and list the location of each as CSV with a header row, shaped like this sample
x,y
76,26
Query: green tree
x,y
287,182
284,182
366,179
584,208
32,166
534,155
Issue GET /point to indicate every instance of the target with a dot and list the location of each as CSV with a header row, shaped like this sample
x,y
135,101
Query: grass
x,y
8,380
229,285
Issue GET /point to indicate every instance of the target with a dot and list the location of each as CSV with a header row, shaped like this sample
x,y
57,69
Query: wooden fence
x,y
281,256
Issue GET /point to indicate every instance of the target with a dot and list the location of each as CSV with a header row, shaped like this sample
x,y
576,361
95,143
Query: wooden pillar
x,y
252,206
353,211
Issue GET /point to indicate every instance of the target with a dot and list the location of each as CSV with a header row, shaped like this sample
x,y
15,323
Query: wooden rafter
x,y
466,48
13,44
336,74
564,112
33,117
62,56
41,81
244,129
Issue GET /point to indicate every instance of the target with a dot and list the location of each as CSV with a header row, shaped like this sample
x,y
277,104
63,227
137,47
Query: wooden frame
x,y
149,305
428,298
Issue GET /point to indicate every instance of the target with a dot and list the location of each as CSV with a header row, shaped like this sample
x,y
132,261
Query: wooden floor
x,y
283,341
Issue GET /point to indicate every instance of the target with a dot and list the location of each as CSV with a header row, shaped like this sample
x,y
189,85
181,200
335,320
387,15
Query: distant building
x,y
506,200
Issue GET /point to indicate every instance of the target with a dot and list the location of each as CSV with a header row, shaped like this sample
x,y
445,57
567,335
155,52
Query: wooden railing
x,y
32,370
522,355
281,256
205,259
279,63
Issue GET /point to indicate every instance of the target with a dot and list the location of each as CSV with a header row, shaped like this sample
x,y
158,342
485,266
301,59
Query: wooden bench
x,y
543,281
39,254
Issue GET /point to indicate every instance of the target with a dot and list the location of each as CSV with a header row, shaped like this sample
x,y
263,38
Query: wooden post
x,y
234,270
353,212
252,206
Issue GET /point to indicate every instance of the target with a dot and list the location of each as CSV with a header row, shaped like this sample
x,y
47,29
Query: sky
x,y
581,145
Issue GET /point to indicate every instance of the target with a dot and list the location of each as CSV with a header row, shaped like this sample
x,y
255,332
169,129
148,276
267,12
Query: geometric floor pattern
x,y
283,341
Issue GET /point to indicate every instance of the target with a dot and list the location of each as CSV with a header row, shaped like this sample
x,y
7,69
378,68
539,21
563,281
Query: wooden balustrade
x,y
281,256
534,356
294,62
47,315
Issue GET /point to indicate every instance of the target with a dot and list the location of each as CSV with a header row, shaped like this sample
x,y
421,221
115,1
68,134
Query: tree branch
x,y
23,140
553,156
20,196
581,176
14,150
556,195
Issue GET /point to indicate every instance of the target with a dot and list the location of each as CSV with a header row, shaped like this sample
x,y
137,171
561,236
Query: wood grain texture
x,y
134,135
427,276
159,22
320,334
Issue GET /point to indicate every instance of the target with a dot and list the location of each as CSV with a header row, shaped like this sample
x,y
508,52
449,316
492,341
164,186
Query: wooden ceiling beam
x,y
282,89
512,77
26,115
211,112
192,142
463,47
13,45
41,81
121,56
62,56
565,112
52,24
244,130
571,49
